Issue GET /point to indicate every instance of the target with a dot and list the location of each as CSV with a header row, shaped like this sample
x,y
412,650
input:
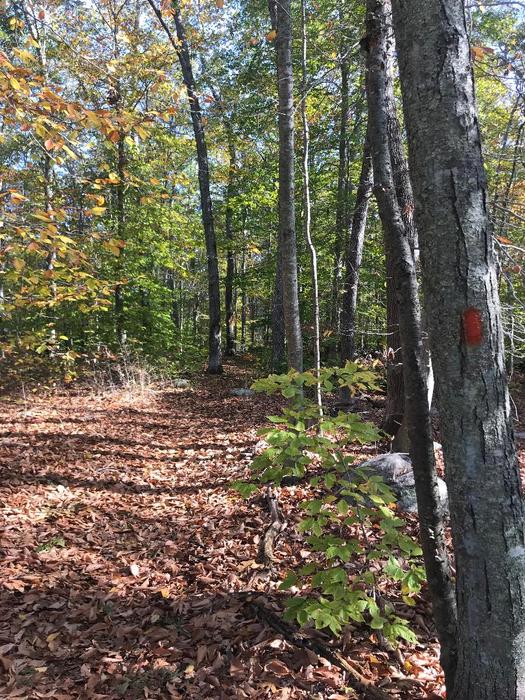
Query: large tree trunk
x,y
287,237
354,256
380,94
466,341
214,298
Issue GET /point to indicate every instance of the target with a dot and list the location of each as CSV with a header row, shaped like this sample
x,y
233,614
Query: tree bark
x,y
395,389
175,311
214,299
466,341
394,421
342,189
354,256
287,237
230,256
278,360
379,92
307,211
120,205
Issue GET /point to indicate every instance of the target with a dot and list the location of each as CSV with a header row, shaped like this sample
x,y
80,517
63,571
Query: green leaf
x,y
291,580
245,488
377,623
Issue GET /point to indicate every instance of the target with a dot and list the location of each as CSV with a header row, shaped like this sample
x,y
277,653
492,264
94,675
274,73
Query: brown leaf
x,y
277,667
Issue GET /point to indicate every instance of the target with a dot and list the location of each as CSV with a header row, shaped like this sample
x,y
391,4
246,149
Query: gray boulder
x,y
180,383
395,468
242,392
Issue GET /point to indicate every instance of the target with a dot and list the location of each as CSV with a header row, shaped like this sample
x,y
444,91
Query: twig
x,y
357,681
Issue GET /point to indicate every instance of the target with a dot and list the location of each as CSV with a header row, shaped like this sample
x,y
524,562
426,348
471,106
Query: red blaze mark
x,y
472,326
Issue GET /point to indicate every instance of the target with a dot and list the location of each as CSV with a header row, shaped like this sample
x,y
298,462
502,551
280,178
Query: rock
x,y
242,392
395,468
180,383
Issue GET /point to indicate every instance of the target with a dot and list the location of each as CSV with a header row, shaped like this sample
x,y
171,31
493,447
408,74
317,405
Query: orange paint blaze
x,y
472,326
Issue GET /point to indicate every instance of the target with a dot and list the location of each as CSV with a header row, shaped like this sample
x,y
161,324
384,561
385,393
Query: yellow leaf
x,y
70,153
92,118
24,54
271,35
154,181
41,216
165,592
18,264
16,197
14,83
97,211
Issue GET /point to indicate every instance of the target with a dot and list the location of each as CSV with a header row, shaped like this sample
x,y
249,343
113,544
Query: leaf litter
x,y
129,565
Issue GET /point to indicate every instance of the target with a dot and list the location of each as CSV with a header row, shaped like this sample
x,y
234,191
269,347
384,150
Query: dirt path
x,y
126,557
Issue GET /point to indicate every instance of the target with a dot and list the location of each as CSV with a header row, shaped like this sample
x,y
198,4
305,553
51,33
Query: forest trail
x,y
127,558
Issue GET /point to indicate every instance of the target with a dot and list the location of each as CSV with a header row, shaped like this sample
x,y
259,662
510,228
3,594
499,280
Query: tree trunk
x,y
394,421
120,195
278,360
214,298
466,342
307,210
342,190
354,256
380,91
174,305
230,257
395,391
287,238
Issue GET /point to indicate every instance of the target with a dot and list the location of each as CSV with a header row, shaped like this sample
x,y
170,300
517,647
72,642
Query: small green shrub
x,y
357,540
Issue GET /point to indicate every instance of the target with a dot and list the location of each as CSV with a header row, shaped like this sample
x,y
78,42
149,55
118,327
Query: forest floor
x,y
129,565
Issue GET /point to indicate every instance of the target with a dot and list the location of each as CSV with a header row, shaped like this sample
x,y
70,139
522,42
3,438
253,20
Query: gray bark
x,y
120,205
278,359
466,342
307,210
342,187
354,255
287,236
380,93
229,299
214,299
394,422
